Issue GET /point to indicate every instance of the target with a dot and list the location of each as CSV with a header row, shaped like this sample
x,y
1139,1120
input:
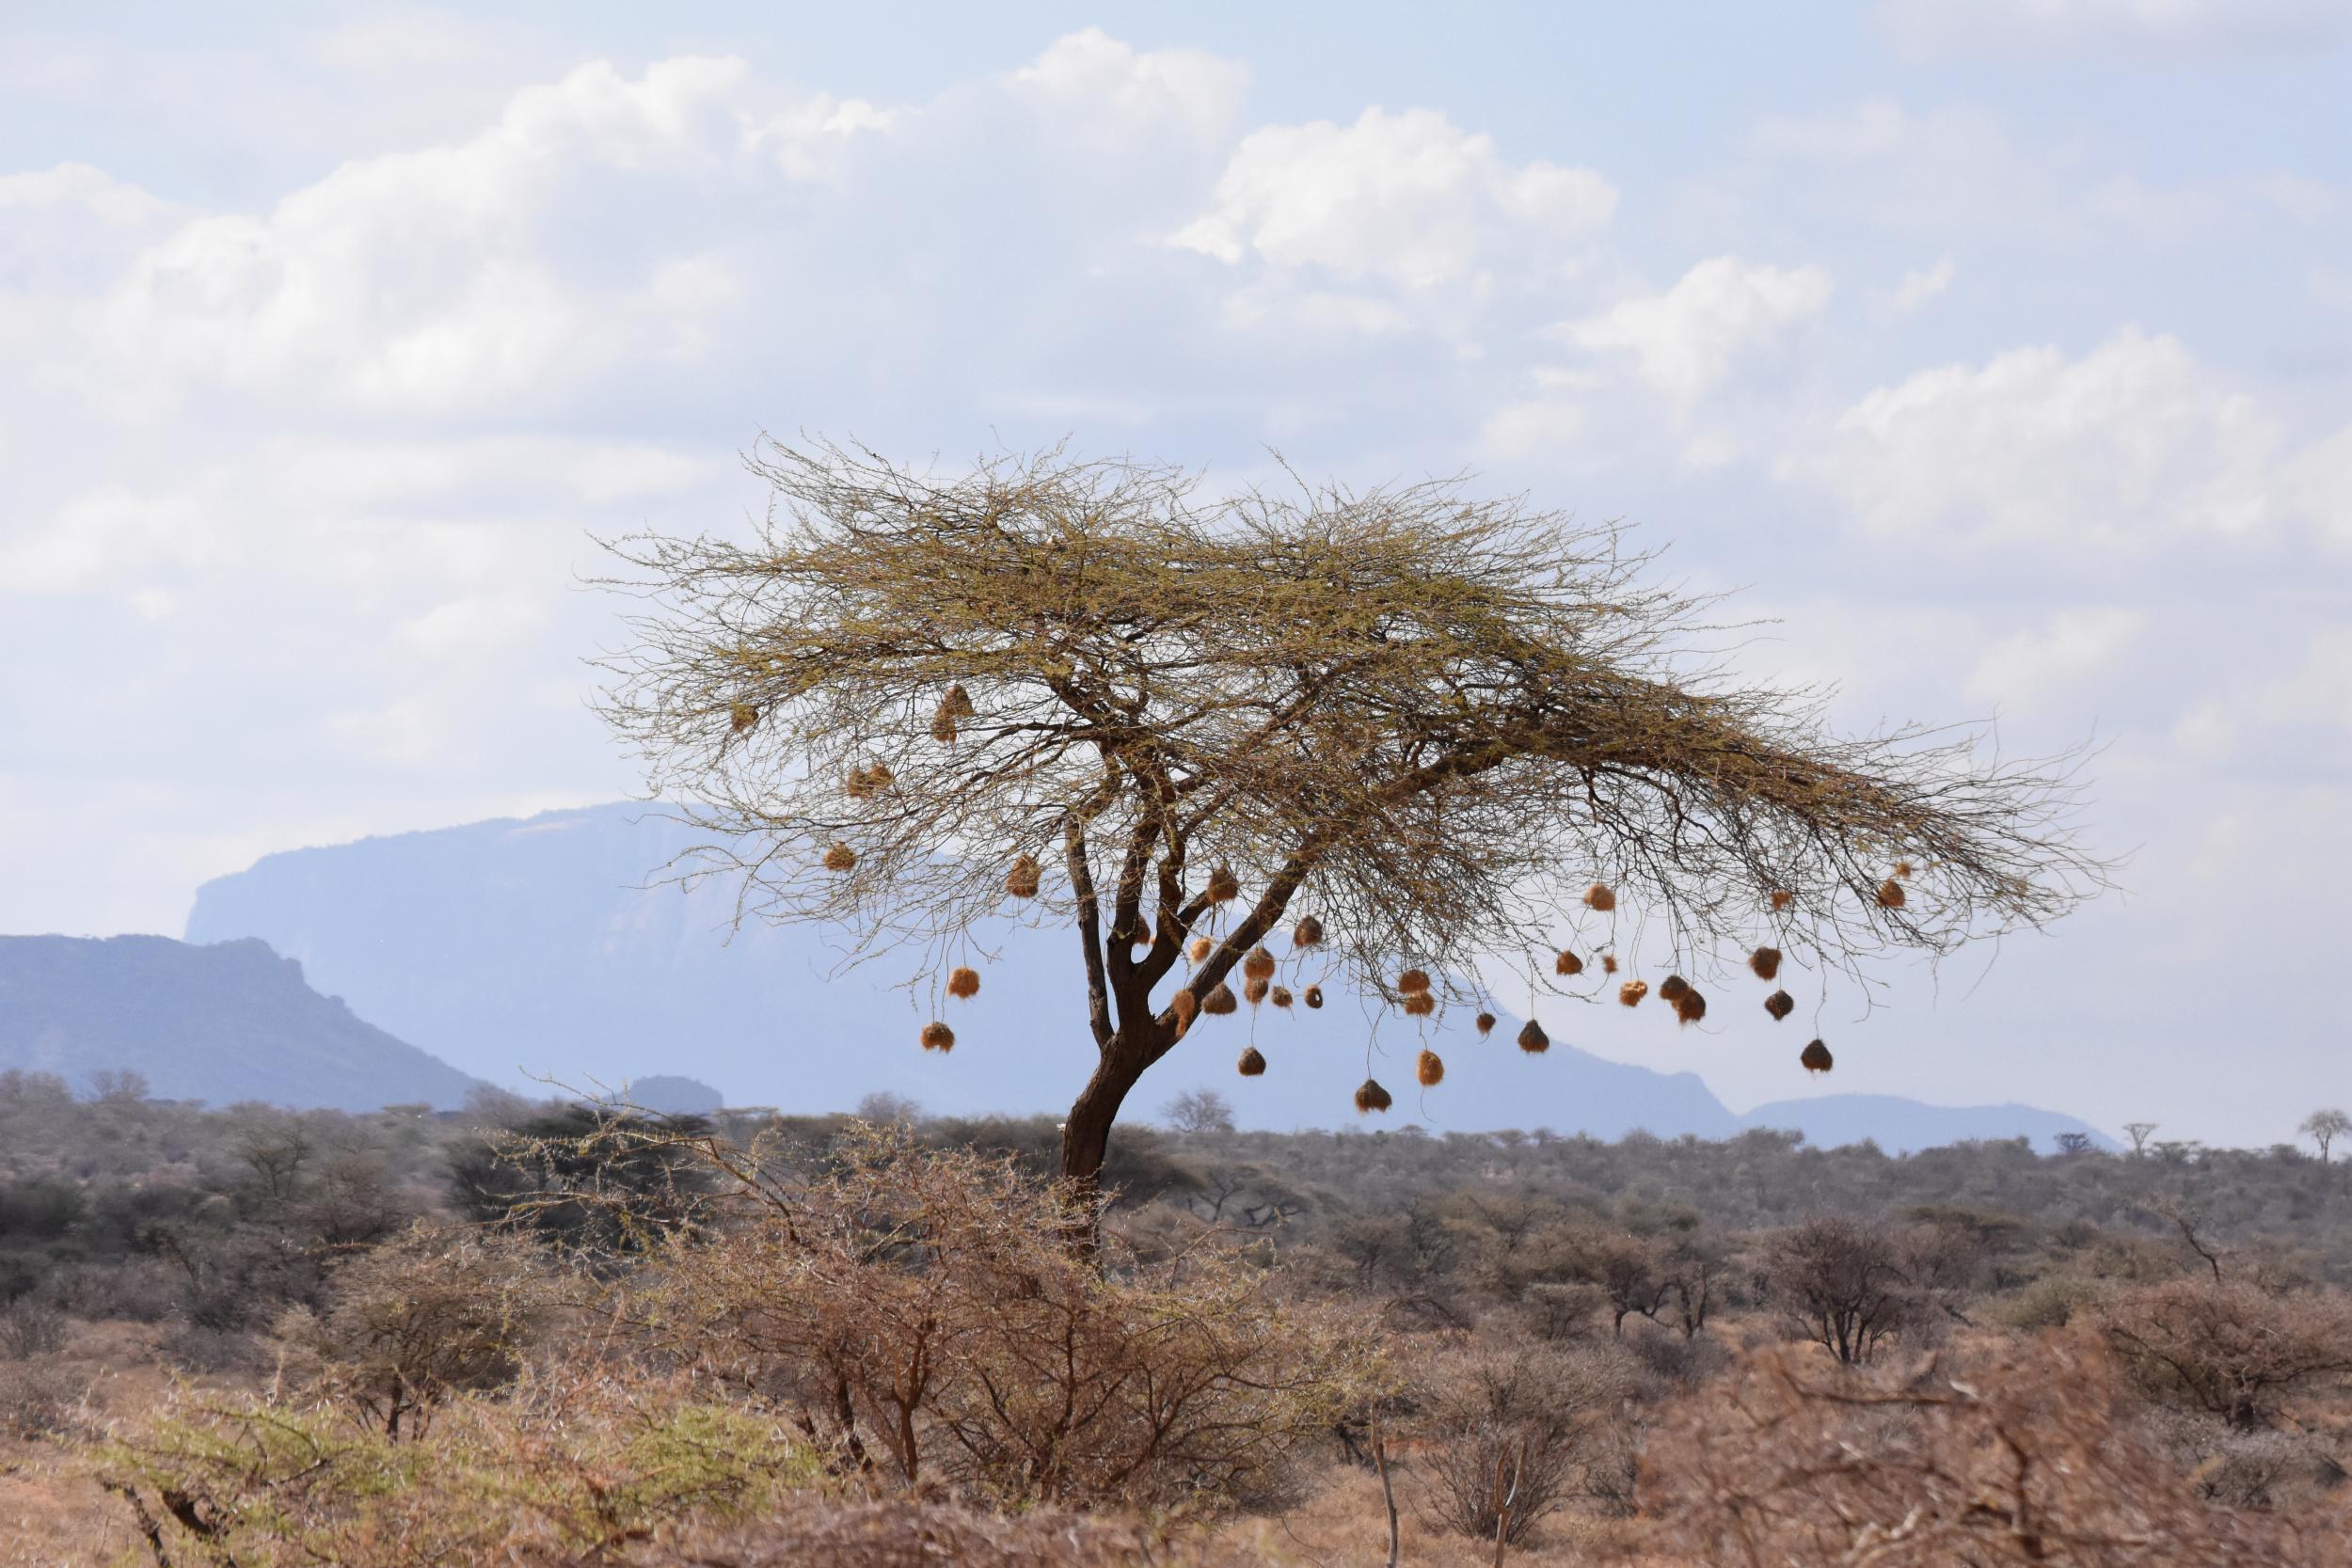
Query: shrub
x,y
1527,1420
1999,1459
2229,1348
419,1318
571,1467
29,1326
40,1397
926,1311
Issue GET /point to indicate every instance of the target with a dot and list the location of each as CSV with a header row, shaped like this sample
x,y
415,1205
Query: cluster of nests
x,y
1415,991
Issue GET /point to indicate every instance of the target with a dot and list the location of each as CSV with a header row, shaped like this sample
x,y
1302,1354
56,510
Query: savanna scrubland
x,y
549,1334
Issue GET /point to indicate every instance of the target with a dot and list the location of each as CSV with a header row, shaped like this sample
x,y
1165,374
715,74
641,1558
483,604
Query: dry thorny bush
x,y
2020,1453
924,1314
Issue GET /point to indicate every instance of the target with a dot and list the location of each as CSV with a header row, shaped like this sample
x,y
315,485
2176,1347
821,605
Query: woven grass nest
x,y
840,857
1609,963
1420,1005
1631,992
1782,899
867,782
1486,1024
1533,1040
1023,878
964,982
1430,1069
1413,982
742,717
1815,1058
1185,1007
1220,1001
1309,933
1690,1005
1372,1097
1313,997
1257,964
1280,997
1780,1005
1255,991
1600,897
1765,961
938,1036
1251,1065
1890,895
1198,949
1568,963
1672,988
1224,887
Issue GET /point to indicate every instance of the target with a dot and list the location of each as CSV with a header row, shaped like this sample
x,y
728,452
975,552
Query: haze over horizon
x,y
2002,365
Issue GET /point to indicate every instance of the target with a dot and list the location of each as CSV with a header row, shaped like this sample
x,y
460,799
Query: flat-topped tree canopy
x,y
1427,717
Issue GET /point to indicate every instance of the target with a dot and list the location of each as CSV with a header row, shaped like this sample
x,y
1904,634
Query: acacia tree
x,y
2324,1128
1427,719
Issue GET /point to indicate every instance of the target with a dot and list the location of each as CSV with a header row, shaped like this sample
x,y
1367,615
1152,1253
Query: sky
x,y
1999,358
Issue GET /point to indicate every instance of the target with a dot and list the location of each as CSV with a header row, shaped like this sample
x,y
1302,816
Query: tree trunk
x,y
1086,1136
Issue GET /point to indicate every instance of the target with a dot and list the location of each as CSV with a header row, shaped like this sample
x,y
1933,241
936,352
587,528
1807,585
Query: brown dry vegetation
x,y
391,1341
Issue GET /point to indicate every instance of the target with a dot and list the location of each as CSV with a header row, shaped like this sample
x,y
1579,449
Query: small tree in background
x,y
1428,719
2324,1128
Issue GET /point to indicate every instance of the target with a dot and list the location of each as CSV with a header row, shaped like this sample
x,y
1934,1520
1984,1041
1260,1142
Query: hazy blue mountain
x,y
1899,1125
537,949
222,1023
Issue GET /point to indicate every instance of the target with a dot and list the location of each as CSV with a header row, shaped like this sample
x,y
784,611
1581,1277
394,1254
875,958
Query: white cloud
x,y
2106,28
1919,286
2021,673
1689,340
1410,197
2129,442
1096,77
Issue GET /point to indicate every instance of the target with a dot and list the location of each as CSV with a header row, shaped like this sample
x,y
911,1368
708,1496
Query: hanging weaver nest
x,y
938,1036
943,725
1903,869
958,702
1609,963
1252,1063
1220,1001
1533,1040
1486,1024
1420,1005
1430,1069
1631,992
1690,1006
1599,897
964,982
1780,1005
881,777
1568,963
1313,997
1308,934
1413,982
860,785
1815,1058
1185,1006
1765,961
1257,964
1021,880
1224,887
742,717
840,856
1890,895
1372,1097
1673,988
1198,949
1255,991
1280,996
1781,901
